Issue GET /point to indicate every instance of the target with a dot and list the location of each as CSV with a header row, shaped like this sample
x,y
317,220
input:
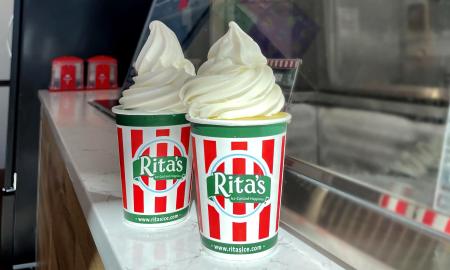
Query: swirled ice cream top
x,y
161,72
235,82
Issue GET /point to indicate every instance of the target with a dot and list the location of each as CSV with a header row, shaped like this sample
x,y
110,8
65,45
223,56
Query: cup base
x,y
244,257
157,225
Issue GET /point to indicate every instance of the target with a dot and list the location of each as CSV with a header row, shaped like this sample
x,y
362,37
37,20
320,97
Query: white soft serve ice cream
x,y
235,82
161,72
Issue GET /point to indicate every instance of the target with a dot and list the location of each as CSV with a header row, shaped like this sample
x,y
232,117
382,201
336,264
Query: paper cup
x,y
155,167
239,170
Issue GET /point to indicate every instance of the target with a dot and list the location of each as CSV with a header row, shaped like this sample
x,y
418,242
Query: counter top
x,y
87,141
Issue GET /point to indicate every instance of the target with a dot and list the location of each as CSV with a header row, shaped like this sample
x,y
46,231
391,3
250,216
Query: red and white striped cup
x,y
238,165
155,167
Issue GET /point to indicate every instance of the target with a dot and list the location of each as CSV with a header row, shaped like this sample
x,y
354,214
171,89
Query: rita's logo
x,y
160,168
239,188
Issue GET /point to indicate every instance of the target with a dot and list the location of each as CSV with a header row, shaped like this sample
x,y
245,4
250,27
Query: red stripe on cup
x,y
190,186
267,153
210,153
162,132
136,140
122,167
214,230
138,193
161,151
197,189
221,200
280,184
268,148
181,189
239,146
239,228
257,169
264,222
221,168
185,135
138,199
180,195
214,222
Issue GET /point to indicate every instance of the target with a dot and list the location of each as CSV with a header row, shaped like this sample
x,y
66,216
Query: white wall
x,y
4,98
6,10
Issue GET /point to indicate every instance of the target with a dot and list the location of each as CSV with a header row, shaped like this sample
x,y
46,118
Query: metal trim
x,y
362,193
418,110
11,190
327,210
402,92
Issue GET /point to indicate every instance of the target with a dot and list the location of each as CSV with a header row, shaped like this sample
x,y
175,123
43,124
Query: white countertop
x,y
88,144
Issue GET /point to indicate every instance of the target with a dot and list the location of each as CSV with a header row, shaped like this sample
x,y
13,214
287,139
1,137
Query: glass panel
x,y
371,97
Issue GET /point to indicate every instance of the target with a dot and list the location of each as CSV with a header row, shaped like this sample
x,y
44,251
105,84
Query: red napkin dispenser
x,y
102,72
67,73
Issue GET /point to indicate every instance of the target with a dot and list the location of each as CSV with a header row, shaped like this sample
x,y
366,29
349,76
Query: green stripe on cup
x,y
151,120
156,219
238,131
239,249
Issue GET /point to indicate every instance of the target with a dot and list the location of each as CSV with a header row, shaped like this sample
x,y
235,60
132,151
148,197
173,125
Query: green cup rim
x,y
243,123
132,118
120,110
